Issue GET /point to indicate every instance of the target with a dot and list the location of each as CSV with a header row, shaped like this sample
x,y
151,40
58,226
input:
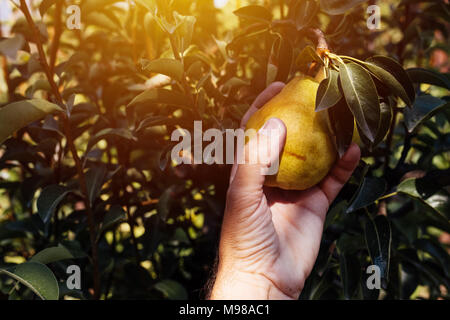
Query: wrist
x,y
233,284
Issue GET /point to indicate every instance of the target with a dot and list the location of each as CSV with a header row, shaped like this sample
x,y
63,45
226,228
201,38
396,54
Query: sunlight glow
x,y
220,3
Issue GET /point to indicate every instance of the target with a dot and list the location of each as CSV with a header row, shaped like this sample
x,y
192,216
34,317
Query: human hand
x,y
270,237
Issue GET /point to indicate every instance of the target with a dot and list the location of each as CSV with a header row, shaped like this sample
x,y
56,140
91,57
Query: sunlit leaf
x,y
10,46
169,67
337,7
17,115
254,12
164,96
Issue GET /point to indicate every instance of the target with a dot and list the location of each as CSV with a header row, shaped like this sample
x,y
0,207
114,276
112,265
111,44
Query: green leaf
x,y
420,75
165,202
284,53
426,186
361,96
171,289
54,254
385,122
369,191
17,115
350,271
435,250
305,57
94,181
113,216
378,236
102,20
163,96
169,67
304,13
10,46
49,199
389,81
424,108
328,93
337,7
38,277
342,123
254,12
92,5
395,69
110,132
45,5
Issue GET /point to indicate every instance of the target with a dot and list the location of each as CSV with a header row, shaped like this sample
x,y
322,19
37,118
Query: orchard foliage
x,y
85,122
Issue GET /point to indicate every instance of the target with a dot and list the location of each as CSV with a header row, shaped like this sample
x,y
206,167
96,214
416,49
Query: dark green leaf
x,y
389,81
49,199
54,254
94,181
350,272
17,115
328,93
361,96
420,75
163,96
108,133
171,289
254,12
113,216
38,277
424,108
342,123
394,68
370,190
385,122
378,236
435,250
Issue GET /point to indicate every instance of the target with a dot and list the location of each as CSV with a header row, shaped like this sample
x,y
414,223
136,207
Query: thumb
x,y
261,157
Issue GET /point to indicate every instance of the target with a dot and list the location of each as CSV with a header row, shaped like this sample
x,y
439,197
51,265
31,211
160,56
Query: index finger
x,y
271,91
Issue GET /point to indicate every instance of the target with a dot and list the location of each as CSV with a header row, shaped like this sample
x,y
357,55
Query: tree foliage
x,y
85,123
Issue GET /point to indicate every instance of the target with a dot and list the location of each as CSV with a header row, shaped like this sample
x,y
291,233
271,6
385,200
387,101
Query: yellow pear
x,y
309,152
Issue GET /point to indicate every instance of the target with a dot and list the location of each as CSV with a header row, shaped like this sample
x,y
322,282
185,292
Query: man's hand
x,y
270,237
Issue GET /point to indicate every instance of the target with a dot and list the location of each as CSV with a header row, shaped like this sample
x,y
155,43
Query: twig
x,y
70,143
319,38
57,36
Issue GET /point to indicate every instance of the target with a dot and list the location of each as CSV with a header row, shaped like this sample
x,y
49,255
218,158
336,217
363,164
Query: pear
x,y
309,152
